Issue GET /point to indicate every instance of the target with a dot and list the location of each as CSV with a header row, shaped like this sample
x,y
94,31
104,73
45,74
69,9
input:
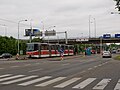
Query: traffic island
x,y
117,57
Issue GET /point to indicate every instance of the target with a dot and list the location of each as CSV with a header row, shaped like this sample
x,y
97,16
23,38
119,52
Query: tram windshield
x,y
32,47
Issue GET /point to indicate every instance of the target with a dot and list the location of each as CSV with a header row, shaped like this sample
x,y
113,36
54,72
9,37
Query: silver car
x,y
106,54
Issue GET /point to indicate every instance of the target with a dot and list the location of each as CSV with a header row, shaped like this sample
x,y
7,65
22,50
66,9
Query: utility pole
x,y
101,44
31,31
18,34
89,25
66,41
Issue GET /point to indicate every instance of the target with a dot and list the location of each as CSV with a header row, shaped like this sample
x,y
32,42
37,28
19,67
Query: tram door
x,y
52,49
57,50
66,51
71,50
44,48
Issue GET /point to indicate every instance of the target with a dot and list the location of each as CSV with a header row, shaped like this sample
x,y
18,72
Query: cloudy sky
x,y
67,15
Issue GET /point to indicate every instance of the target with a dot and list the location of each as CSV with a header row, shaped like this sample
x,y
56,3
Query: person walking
x,y
61,53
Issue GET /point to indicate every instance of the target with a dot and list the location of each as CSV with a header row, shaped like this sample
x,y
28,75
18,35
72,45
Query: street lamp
x,y
18,33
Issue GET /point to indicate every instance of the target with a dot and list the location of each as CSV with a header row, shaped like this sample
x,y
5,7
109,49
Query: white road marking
x,y
90,68
13,77
1,68
17,80
37,63
100,65
35,70
14,66
65,64
83,72
5,75
64,84
95,66
102,84
27,64
106,62
34,81
51,81
103,63
84,83
117,87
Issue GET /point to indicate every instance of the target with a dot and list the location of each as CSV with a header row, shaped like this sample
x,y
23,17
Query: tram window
x,y
63,47
35,46
44,47
70,47
52,47
30,47
66,47
57,47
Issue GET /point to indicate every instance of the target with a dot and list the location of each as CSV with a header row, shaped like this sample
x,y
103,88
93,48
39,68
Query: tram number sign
x,y
50,33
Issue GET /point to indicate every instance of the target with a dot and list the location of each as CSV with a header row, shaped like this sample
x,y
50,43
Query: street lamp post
x,y
49,28
18,33
101,44
31,31
95,26
89,24
43,27
66,41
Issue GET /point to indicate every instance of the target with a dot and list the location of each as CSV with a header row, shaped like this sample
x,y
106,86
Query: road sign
x,y
50,33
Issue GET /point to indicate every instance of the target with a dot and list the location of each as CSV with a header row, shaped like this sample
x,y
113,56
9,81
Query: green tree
x,y
117,4
37,40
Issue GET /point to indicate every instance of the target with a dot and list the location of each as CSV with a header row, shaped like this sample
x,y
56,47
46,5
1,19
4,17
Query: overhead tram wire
x,y
15,22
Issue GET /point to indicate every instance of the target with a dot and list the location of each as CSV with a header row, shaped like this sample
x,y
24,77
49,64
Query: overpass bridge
x,y
84,40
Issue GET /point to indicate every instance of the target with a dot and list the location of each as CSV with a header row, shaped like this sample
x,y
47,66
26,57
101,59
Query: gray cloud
x,y
70,15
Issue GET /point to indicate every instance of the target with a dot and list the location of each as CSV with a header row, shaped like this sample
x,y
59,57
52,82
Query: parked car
x,y
114,51
6,55
106,54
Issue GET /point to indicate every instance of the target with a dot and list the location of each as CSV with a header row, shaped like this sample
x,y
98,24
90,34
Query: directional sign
x,y
50,33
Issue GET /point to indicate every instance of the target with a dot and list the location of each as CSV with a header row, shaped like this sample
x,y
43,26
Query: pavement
x,y
23,57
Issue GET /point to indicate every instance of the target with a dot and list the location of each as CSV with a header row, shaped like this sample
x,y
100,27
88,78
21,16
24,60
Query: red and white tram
x,y
37,50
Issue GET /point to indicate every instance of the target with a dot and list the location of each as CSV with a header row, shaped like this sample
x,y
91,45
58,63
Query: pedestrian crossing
x,y
56,82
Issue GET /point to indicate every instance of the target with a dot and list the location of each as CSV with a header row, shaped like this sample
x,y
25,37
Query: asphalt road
x,y
73,73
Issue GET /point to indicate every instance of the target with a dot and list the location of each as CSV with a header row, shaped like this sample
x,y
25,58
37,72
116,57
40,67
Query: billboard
x,y
117,35
106,36
33,32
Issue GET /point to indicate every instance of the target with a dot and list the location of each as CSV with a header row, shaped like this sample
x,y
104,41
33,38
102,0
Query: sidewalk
x,y
23,57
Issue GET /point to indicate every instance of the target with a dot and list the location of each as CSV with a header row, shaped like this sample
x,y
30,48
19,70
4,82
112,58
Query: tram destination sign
x,y
50,33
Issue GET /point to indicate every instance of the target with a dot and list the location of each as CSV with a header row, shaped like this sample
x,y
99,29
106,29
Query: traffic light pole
x,y
66,40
